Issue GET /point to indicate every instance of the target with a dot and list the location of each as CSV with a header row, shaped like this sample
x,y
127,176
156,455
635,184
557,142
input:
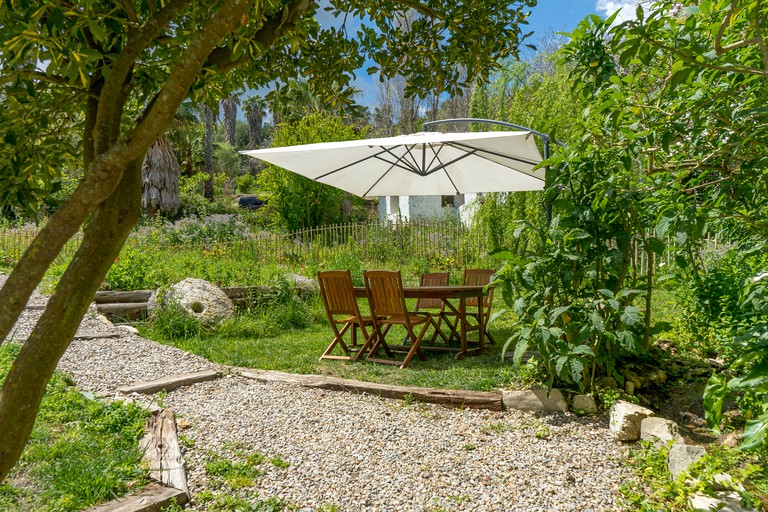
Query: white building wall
x,y
393,208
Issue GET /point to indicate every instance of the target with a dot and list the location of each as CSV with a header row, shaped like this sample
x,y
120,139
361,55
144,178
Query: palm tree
x,y
229,107
160,176
185,135
255,107
209,118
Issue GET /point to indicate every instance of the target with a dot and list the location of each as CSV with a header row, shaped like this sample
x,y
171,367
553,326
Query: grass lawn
x,y
81,452
291,336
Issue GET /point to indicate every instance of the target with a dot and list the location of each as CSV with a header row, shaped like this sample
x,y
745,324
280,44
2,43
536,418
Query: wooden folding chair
x,y
388,308
434,307
341,308
473,277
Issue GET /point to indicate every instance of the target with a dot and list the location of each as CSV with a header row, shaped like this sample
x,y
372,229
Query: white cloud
x,y
627,8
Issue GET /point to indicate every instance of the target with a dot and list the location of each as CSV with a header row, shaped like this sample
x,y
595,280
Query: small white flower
x,y
759,277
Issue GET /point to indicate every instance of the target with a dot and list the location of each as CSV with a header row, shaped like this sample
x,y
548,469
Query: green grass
x,y
81,451
290,335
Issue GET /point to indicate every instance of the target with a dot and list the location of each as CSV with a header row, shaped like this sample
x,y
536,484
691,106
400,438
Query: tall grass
x,y
81,451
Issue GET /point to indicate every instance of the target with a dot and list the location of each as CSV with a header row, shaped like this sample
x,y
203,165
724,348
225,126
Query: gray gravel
x,y
360,452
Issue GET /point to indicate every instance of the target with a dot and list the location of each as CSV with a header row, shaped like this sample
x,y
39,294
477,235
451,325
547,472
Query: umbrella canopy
x,y
421,164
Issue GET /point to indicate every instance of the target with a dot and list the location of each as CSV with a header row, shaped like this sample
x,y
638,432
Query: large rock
x,y
585,403
728,501
535,400
681,456
304,285
626,419
199,298
659,430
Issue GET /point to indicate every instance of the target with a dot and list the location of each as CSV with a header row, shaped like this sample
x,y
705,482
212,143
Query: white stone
x,y
104,320
304,284
535,400
681,456
129,329
659,430
199,298
625,420
722,502
585,403
725,482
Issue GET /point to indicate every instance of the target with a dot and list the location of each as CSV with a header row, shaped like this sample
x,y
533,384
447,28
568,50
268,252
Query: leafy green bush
x,y
654,489
135,269
212,228
246,184
565,310
712,298
747,376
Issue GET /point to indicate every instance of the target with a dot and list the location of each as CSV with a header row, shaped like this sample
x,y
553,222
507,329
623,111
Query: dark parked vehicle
x,y
250,202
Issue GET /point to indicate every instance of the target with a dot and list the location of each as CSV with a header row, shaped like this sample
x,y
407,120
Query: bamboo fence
x,y
446,243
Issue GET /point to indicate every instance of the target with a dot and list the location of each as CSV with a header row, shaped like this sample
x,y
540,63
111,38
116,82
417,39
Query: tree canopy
x,y
92,84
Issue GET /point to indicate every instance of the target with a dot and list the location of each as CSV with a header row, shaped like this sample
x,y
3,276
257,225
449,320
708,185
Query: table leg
x,y
463,322
481,317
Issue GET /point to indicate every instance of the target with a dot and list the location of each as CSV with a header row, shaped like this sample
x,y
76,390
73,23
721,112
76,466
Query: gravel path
x,y
350,452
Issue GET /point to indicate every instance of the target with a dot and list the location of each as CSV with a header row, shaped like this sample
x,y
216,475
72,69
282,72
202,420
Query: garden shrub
x,y
746,378
712,298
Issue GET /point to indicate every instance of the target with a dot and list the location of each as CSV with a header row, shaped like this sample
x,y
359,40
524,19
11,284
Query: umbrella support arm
x,y
544,137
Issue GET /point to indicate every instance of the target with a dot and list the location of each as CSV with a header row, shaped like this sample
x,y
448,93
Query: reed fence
x,y
446,243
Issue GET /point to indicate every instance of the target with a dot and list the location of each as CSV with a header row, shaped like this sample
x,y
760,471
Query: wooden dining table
x,y
446,294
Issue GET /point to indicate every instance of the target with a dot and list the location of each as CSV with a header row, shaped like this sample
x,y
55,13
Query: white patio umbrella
x,y
425,164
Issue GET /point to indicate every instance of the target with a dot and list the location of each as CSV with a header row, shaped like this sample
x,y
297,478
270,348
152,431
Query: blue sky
x,y
546,19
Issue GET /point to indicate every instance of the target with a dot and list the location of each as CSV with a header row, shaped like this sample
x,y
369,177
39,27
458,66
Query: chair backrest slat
x,y
478,277
432,279
337,292
385,292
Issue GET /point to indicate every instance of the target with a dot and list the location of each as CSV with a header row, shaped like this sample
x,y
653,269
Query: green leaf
x,y
630,315
662,226
756,377
583,350
520,349
597,322
715,394
754,432
656,246
555,314
503,255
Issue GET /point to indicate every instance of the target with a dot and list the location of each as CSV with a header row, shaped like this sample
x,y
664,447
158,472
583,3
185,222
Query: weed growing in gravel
x,y
226,502
236,475
498,427
654,489
278,462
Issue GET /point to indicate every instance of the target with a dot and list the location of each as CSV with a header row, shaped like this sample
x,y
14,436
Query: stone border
x,y
630,423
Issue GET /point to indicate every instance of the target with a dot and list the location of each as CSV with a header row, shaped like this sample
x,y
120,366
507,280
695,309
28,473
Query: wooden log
x,y
123,310
162,451
449,397
246,292
112,297
152,498
100,336
169,383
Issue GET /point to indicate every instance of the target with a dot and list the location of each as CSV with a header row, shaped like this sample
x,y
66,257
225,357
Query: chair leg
x,y
337,340
415,349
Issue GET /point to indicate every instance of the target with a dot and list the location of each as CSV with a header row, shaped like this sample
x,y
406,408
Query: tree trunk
x,y
229,106
25,384
208,152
